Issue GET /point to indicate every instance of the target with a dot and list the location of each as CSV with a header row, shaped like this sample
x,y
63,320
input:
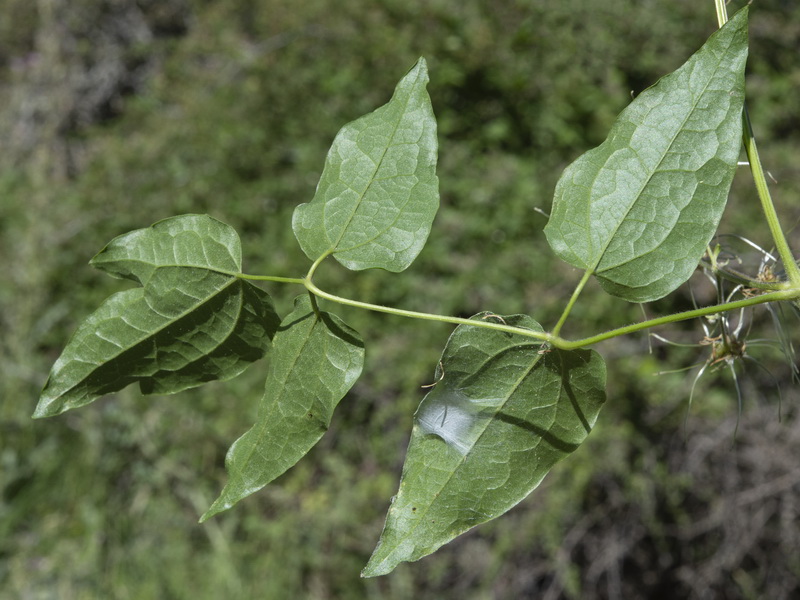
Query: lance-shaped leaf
x,y
193,321
503,412
639,210
378,193
315,360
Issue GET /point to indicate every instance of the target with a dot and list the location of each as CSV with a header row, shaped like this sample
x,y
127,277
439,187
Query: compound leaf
x,y
503,412
378,193
315,360
639,210
193,320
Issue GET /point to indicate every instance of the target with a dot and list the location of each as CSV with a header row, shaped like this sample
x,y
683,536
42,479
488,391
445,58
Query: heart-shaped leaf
x,y
315,360
193,321
378,193
639,210
503,412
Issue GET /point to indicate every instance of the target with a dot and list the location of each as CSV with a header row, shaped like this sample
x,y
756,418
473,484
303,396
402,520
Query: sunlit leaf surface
x,y
193,320
503,412
315,360
378,193
639,210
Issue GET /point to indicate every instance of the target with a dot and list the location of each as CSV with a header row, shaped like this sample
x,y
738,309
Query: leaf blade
x,y
197,241
501,415
296,409
378,193
639,210
186,326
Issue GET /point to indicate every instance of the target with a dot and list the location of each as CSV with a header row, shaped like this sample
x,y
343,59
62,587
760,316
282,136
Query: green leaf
x,y
193,321
315,360
639,210
196,241
378,193
503,412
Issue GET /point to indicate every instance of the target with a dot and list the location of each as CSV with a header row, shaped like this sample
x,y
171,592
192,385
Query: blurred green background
x,y
117,113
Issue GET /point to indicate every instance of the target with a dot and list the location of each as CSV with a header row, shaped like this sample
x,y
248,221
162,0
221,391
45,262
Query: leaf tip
x,y
212,511
206,516
375,570
386,557
219,505
420,70
47,407
423,67
39,413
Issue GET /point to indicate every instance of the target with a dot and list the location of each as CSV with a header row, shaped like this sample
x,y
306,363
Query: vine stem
x,y
757,169
553,338
782,246
297,280
789,294
578,289
539,335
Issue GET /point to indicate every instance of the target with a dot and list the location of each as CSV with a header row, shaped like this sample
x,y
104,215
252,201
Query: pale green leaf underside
x,y
186,326
639,210
184,241
314,361
378,193
501,415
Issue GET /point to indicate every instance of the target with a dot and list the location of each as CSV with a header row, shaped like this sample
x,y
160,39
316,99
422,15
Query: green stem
x,y
314,306
313,268
572,300
296,280
722,12
782,246
539,335
551,338
778,296
750,147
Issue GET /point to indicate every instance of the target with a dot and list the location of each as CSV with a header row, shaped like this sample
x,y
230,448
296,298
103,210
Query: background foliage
x,y
116,113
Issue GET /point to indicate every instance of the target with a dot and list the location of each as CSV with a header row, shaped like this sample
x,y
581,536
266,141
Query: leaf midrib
x,y
156,266
335,247
647,181
152,334
264,423
452,474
